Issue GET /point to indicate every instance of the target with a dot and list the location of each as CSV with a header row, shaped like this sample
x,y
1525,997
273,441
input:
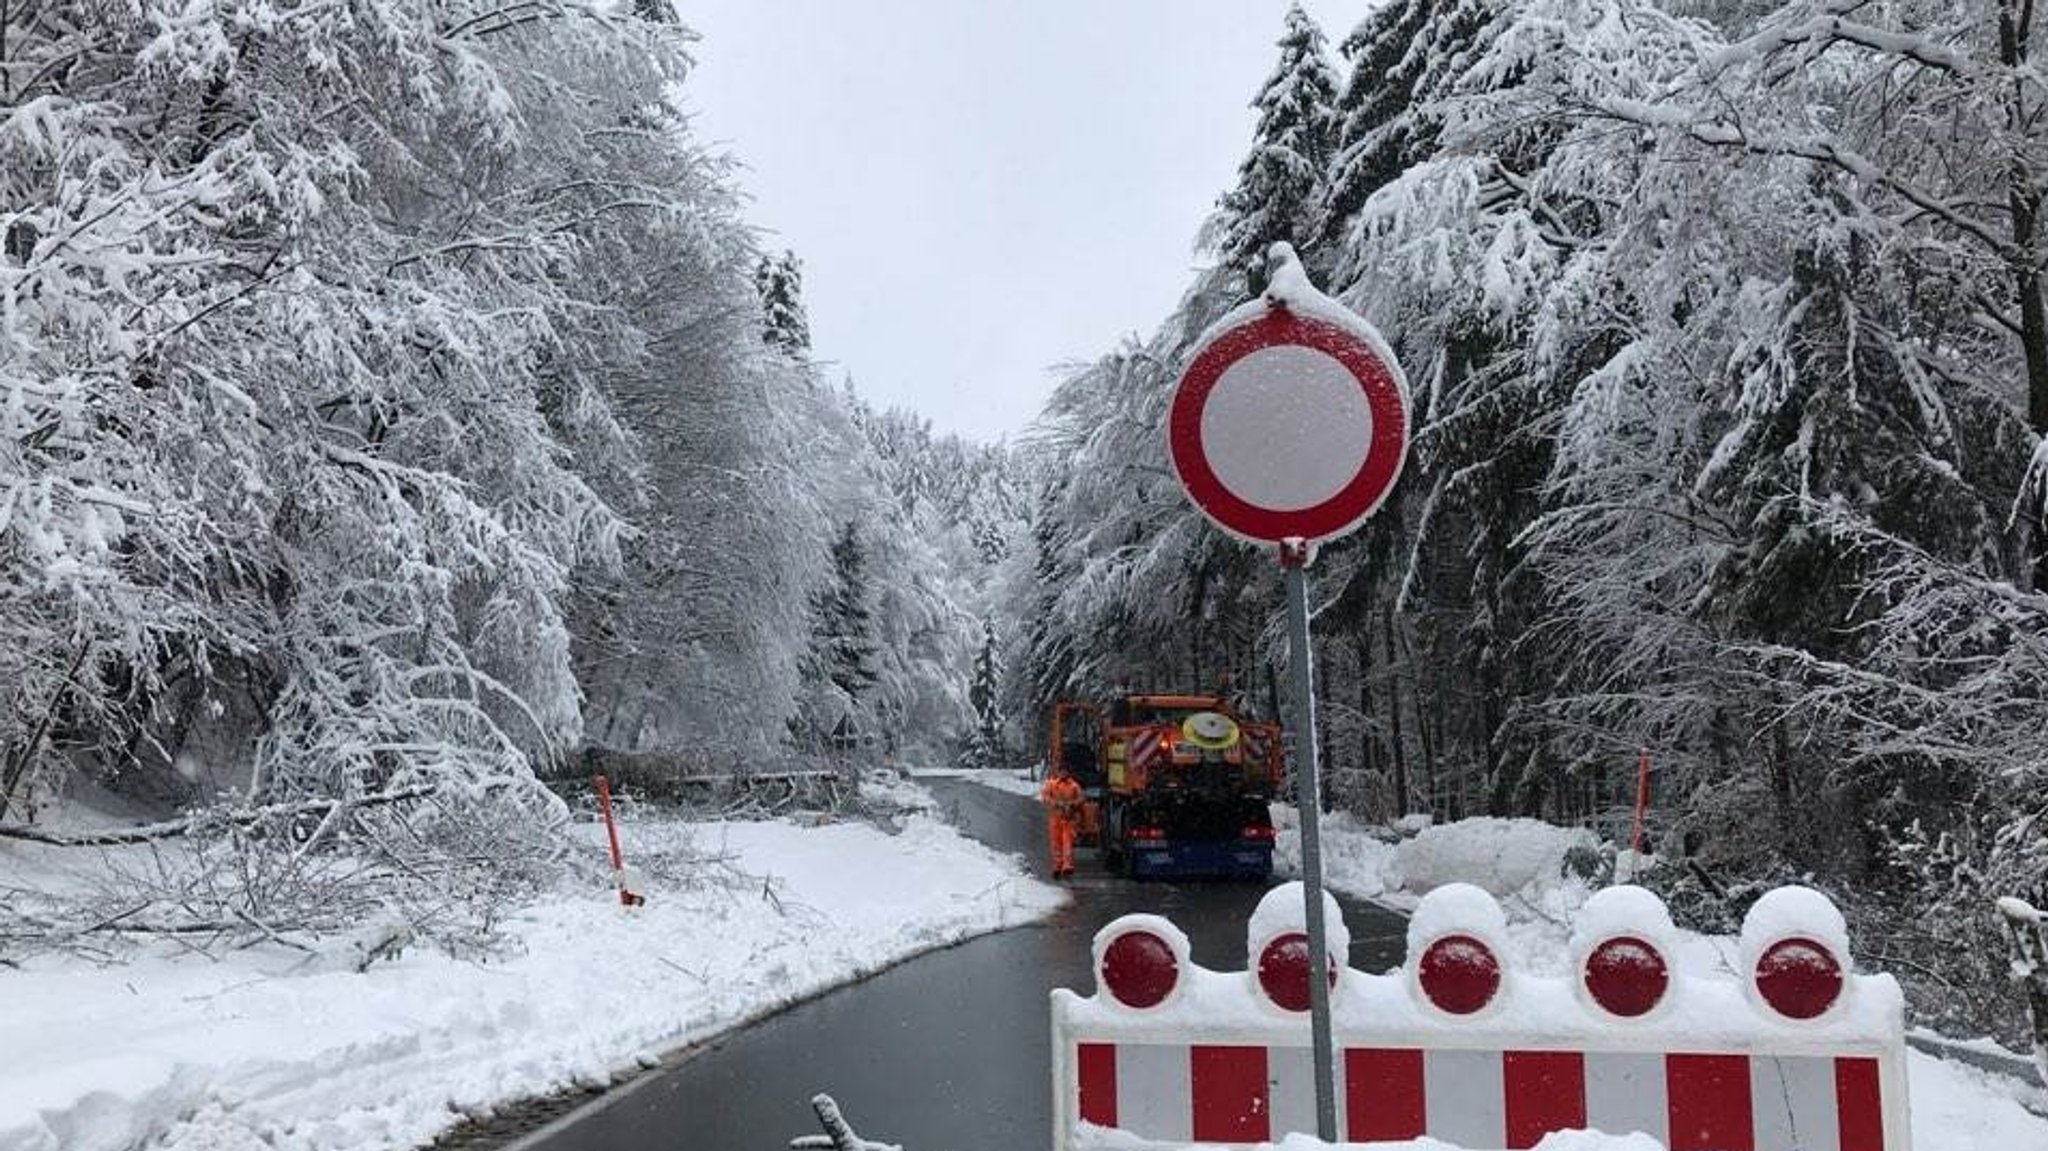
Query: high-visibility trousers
x,y
1061,831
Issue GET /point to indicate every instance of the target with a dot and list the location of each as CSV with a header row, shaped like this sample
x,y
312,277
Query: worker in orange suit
x,y
1062,798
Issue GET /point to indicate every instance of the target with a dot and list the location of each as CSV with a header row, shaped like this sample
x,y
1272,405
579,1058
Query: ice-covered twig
x,y
839,1135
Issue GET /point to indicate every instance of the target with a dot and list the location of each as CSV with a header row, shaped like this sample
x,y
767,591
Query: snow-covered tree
x,y
988,747
1279,191
780,280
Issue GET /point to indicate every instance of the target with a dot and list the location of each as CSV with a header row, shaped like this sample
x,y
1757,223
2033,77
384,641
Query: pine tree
x,y
986,748
1279,192
780,280
846,621
1405,58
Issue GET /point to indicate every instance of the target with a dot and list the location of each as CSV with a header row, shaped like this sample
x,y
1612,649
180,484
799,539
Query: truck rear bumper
x,y
1230,860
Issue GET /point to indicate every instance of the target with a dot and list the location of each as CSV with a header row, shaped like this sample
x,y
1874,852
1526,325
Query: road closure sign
x,y
1291,420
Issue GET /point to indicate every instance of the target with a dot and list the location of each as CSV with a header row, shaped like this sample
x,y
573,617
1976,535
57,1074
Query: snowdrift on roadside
x,y
288,1051
1503,856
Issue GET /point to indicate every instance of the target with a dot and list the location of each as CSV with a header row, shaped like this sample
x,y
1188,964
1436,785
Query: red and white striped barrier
x,y
1796,1055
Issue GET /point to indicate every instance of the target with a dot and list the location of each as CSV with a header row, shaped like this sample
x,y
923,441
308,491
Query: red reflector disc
x,y
1799,978
1283,971
1139,969
1459,974
1626,975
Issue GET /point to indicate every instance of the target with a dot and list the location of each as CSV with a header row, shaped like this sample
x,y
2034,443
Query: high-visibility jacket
x,y
1062,797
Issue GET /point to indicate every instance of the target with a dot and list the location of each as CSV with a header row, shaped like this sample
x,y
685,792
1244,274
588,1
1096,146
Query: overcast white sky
x,y
983,189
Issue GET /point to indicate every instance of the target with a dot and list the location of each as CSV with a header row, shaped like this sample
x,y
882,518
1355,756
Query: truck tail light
x,y
1259,831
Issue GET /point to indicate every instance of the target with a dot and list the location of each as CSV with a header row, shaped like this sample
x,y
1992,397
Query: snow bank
x,y
1503,856
1355,861
298,1052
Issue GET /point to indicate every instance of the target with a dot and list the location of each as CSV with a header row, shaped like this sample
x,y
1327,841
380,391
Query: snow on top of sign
x,y
1624,910
1158,925
1790,911
1458,909
1289,288
1285,909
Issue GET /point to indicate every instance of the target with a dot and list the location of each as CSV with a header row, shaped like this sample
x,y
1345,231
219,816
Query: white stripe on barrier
x,y
1625,1092
1465,1098
1291,1083
1792,1103
1153,1092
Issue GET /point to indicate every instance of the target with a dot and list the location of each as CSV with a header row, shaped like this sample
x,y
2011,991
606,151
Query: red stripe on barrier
x,y
1546,1091
1709,1102
1383,1098
1859,1105
1228,1089
1097,1066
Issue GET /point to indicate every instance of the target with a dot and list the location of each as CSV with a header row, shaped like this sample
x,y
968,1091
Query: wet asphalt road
x,y
948,1052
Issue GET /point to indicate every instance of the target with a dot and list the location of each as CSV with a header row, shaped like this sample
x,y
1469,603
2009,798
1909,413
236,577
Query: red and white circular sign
x,y
1289,425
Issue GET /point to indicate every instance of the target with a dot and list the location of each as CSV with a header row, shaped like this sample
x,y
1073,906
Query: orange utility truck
x,y
1178,785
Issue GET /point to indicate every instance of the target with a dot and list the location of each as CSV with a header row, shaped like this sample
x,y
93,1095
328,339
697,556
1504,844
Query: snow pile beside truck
x,y
1502,856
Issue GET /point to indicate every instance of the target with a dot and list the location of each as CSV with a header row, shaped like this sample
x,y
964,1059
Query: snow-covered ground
x,y
283,1050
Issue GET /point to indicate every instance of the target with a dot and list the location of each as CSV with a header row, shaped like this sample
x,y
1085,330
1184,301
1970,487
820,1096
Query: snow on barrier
x,y
1796,1055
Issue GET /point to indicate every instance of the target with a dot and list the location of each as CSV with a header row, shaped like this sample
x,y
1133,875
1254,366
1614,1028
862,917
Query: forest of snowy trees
x,y
1726,329
397,406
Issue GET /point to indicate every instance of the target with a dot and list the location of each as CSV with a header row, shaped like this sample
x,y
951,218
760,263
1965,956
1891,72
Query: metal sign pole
x,y
1294,556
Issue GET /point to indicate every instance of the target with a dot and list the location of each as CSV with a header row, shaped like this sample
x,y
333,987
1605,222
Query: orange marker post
x,y
627,897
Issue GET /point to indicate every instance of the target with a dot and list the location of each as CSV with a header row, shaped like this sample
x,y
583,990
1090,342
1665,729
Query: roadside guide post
x,y
631,887
1288,429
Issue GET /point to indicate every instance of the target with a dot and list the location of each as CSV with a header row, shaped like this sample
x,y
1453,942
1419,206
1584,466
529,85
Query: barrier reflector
x,y
1709,1100
1144,747
1230,1102
1383,1099
1545,1092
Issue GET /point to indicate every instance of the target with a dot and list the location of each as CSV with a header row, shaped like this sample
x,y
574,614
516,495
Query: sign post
x,y
1288,429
